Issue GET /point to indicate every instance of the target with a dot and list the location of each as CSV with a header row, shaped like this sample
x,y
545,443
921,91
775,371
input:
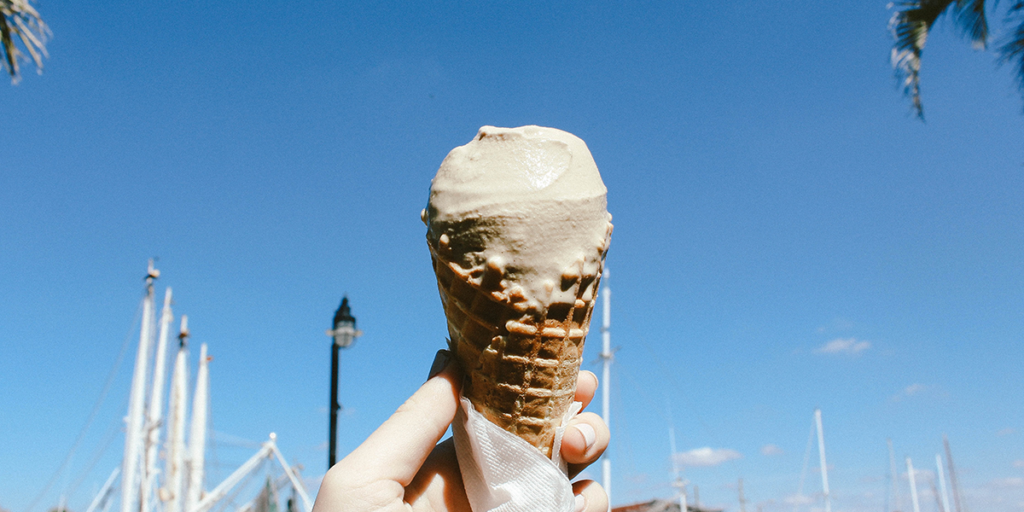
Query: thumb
x,y
397,449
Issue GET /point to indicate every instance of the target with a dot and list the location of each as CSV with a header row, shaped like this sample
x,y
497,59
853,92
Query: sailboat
x,y
179,486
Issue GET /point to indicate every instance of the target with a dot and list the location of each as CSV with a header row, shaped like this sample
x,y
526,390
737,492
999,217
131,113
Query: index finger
x,y
586,387
397,449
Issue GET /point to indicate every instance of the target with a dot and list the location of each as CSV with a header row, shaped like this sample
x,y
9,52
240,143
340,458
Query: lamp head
x,y
344,331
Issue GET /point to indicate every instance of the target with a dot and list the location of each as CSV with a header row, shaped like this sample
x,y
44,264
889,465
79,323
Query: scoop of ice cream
x,y
525,206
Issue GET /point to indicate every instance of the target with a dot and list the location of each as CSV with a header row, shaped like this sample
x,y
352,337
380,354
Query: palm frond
x,y
19,21
1012,51
970,17
910,25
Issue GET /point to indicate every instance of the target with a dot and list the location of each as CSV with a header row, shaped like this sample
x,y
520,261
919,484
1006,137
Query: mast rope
x,y
230,500
92,414
112,434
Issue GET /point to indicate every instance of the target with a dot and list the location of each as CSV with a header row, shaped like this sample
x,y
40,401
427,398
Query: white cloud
x,y
1019,463
920,476
703,457
909,391
797,499
843,346
1005,432
1013,482
770,449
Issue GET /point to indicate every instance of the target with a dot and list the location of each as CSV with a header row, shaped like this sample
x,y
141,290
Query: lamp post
x,y
343,333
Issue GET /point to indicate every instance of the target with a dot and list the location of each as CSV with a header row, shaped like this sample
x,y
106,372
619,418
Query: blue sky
x,y
787,235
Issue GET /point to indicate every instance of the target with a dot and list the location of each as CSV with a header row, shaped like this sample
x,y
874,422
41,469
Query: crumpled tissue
x,y
503,473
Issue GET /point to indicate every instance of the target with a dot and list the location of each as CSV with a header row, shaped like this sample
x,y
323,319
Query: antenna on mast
x,y
151,273
606,357
183,333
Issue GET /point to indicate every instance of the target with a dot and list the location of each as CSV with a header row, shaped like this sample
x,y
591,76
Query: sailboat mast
x,y
174,480
197,436
606,381
672,448
953,482
938,498
677,481
137,404
821,458
895,483
913,485
156,401
942,483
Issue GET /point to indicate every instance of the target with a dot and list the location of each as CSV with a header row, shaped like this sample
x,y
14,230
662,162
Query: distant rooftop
x,y
661,506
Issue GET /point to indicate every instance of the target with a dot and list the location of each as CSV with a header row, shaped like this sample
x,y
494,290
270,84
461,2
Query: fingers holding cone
x,y
587,436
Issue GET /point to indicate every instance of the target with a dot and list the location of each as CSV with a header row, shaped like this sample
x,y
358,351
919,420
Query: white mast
x,y
824,466
156,401
174,480
942,483
677,481
135,420
953,480
606,357
197,436
895,477
913,485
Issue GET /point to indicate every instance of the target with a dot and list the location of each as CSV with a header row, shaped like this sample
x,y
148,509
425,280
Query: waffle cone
x,y
520,363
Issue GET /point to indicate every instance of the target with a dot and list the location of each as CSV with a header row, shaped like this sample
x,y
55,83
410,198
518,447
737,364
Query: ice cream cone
x,y
521,364
518,227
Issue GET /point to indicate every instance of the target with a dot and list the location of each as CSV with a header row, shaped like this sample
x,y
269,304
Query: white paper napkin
x,y
503,473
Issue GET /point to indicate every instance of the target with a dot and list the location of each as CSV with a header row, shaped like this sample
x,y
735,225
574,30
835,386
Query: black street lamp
x,y
344,334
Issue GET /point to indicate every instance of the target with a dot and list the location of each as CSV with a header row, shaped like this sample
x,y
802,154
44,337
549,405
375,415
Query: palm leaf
x,y
970,17
19,21
1012,51
910,25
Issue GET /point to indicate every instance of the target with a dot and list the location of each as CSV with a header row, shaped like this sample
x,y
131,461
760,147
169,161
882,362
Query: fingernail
x,y
581,503
440,361
589,435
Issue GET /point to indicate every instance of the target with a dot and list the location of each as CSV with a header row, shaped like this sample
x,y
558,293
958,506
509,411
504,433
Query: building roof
x,y
661,506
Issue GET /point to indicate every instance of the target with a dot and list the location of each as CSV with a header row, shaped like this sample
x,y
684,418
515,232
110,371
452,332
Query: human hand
x,y
401,466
